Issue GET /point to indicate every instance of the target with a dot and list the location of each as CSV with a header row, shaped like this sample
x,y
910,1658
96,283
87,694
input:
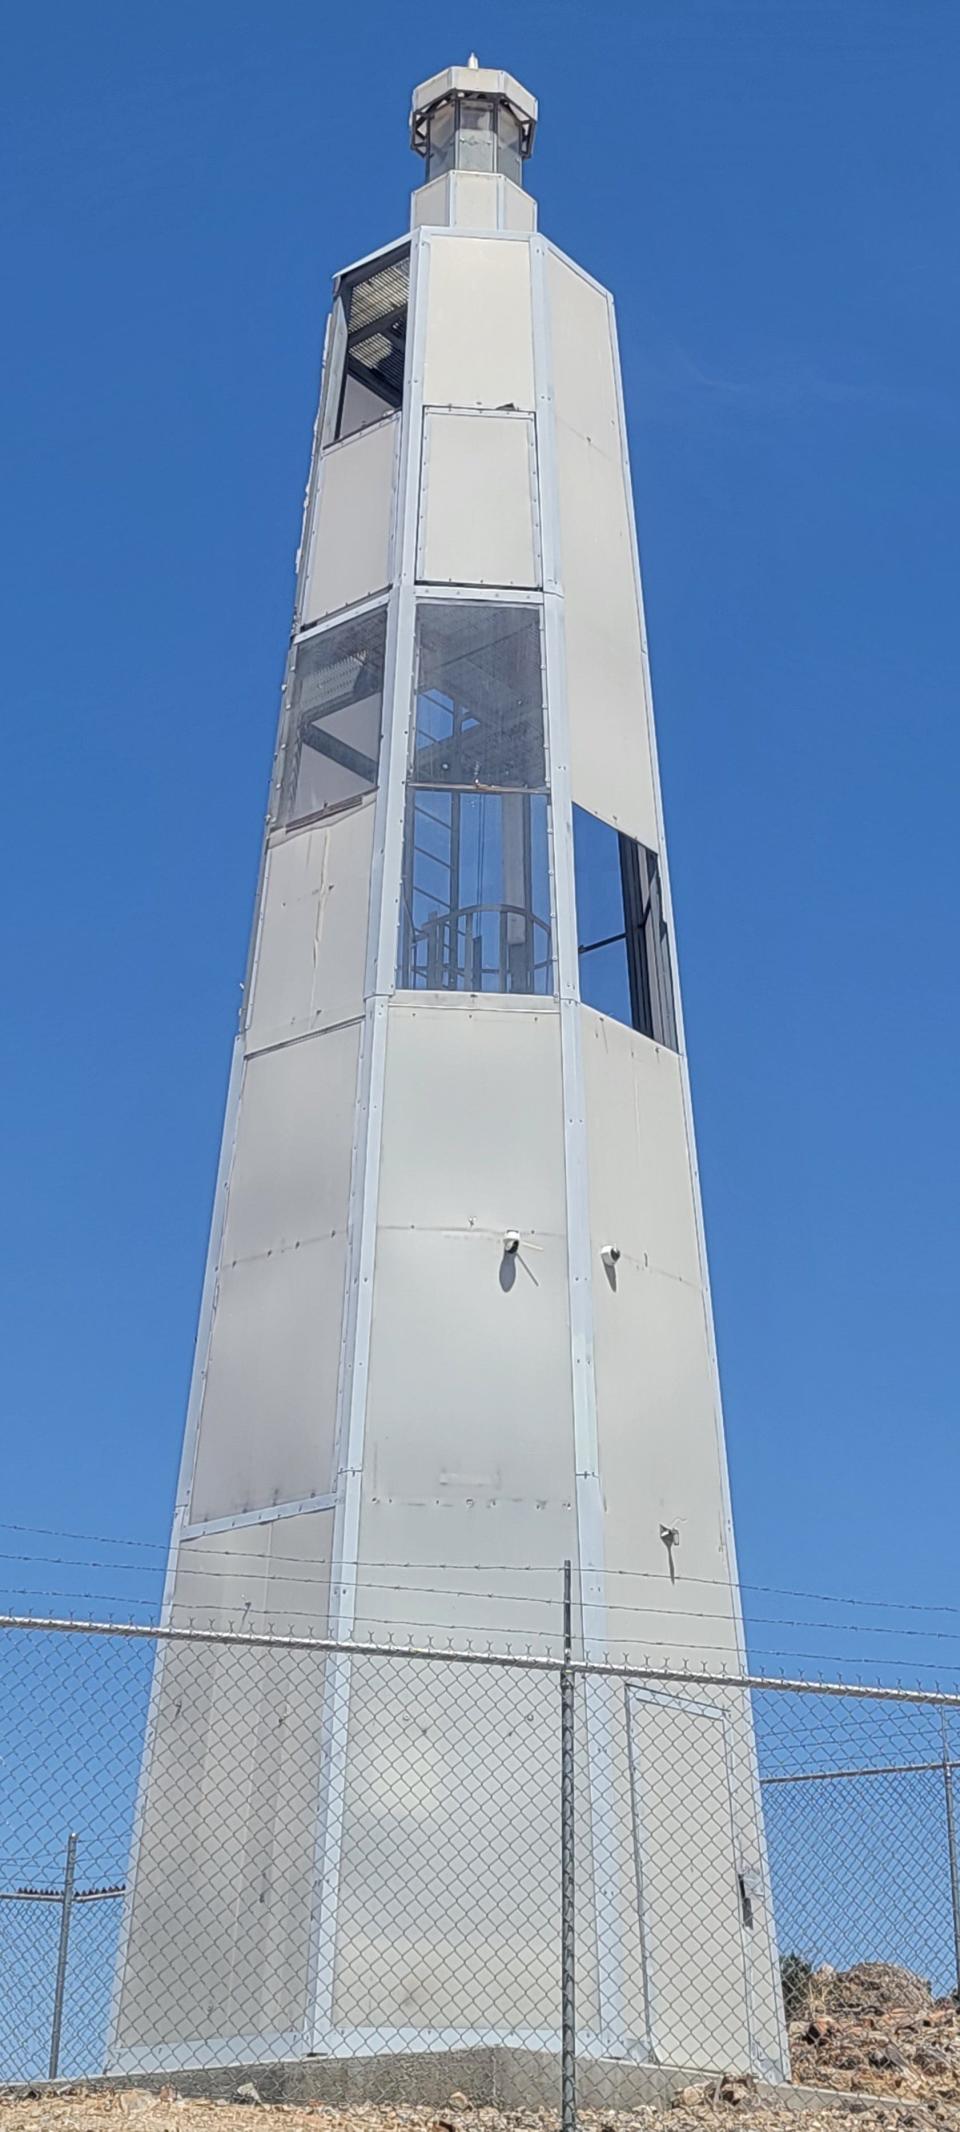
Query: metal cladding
x,y
456,1325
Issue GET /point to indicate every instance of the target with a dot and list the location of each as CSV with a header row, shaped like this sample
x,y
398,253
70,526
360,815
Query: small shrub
x,y
796,1978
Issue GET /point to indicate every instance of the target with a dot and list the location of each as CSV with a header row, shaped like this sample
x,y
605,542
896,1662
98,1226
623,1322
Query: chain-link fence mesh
x,y
286,1851
858,1798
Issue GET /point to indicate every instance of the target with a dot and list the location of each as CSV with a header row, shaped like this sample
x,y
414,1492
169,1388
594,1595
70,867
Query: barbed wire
x,y
508,1632
542,1569
632,1609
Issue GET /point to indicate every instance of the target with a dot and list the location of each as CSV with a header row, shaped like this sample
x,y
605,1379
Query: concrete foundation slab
x,y
493,2078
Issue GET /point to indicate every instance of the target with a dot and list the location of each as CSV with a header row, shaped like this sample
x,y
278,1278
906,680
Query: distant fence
x,y
218,1848
37,1937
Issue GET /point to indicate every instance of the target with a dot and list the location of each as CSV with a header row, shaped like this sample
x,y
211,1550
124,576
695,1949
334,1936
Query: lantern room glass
x,y
474,133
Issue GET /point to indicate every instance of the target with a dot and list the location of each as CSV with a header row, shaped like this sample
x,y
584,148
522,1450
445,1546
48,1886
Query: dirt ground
x,y
77,2112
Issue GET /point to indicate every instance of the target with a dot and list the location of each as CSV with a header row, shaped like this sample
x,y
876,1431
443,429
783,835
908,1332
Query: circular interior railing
x,y
482,947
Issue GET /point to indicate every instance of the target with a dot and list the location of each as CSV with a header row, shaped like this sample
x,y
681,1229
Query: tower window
x,y
336,700
375,317
476,875
622,940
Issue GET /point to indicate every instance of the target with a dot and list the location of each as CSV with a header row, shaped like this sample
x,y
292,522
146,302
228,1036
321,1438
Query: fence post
x,y
568,2024
952,1848
65,1909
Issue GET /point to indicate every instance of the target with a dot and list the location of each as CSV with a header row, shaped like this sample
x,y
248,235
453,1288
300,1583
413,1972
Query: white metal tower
x,y
456,1309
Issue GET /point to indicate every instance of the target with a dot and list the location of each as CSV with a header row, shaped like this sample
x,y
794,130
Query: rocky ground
x,y
874,2033
694,2112
875,2030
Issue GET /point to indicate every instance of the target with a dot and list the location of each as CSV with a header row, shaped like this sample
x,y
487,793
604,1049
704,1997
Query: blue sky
x,y
771,189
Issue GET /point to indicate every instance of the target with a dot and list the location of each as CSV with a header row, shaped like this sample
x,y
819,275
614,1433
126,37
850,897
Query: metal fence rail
x,y
283,1846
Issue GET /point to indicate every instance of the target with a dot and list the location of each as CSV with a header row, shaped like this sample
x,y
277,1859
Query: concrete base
x,y
494,2078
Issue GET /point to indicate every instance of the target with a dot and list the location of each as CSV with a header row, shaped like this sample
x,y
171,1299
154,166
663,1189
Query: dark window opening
x,y
476,871
622,939
375,313
336,699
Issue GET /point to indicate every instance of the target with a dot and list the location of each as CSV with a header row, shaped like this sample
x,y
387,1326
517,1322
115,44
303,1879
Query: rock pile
x,y
878,2029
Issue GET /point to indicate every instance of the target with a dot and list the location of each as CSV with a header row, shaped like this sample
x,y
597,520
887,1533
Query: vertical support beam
x,y
586,1450
589,1497
385,890
951,1847
568,1888
66,1907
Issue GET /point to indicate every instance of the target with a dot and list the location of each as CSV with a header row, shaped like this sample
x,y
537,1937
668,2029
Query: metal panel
x,y
219,1930
519,208
516,1600
272,1575
660,1467
430,205
291,1172
267,1427
473,1123
477,199
584,373
469,1368
472,1132
478,518
473,200
479,343
311,946
269,1407
641,1185
424,1944
611,771
350,547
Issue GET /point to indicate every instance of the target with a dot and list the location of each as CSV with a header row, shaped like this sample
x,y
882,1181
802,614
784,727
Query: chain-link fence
x,y
424,1871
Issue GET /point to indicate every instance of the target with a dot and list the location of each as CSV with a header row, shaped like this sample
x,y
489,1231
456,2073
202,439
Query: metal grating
x,y
377,325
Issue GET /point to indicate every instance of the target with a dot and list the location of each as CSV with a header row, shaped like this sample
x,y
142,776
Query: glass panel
x,y
335,710
476,899
441,136
624,947
596,859
476,144
479,702
361,405
657,947
605,980
508,153
376,316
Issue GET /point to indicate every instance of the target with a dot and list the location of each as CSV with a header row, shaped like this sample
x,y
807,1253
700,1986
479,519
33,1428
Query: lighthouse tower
x,y
456,1326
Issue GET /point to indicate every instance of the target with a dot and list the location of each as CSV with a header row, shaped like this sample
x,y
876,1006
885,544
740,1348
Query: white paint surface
x,y
477,523
350,554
